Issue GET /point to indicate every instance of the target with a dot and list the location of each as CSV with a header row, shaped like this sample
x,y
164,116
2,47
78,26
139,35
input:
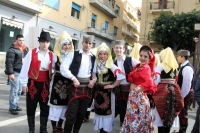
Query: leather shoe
x,y
18,108
13,111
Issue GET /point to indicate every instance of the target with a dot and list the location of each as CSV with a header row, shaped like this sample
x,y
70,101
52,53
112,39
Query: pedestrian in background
x,y
14,61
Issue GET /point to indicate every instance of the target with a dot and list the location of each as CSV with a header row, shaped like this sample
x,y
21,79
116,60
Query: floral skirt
x,y
138,118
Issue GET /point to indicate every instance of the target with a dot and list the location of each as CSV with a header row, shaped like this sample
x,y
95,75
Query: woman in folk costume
x,y
59,85
104,98
167,98
138,118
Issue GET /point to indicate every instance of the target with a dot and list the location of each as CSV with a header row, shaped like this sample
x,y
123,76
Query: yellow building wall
x,y
63,15
147,17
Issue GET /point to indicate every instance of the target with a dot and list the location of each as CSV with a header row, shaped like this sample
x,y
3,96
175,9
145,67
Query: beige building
x,y
108,20
152,8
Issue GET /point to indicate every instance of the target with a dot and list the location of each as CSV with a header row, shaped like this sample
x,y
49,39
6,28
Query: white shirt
x,y
119,76
120,64
45,60
187,79
158,69
85,67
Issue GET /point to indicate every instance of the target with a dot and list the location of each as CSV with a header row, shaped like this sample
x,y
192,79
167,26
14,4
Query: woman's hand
x,y
109,86
132,87
138,89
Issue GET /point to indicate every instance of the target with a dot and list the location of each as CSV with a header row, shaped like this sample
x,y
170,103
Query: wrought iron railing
x,y
101,28
162,5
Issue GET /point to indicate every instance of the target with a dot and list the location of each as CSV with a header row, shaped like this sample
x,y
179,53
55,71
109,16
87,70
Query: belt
x,y
168,81
101,85
125,88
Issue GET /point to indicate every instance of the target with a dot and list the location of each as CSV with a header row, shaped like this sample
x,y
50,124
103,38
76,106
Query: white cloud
x,y
135,3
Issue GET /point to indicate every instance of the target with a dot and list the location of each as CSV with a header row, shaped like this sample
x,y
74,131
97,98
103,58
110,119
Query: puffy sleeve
x,y
117,72
148,85
143,78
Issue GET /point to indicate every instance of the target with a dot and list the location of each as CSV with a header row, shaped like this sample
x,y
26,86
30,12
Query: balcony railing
x,y
31,6
124,31
162,6
125,19
106,6
101,31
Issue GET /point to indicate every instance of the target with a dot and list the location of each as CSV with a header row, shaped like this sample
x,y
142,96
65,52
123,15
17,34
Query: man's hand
x,y
12,77
91,83
76,82
25,89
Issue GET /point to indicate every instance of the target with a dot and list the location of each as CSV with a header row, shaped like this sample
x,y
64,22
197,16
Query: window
x,y
52,3
117,10
9,29
75,10
93,20
106,26
115,31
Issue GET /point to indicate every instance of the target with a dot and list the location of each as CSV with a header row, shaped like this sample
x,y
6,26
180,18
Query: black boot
x,y
68,127
101,130
43,124
77,126
31,124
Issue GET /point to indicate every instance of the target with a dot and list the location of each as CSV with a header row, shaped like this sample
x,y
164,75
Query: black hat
x,y
44,36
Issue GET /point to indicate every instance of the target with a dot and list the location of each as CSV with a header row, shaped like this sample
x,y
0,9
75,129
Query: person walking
x,y
78,67
14,60
35,78
59,86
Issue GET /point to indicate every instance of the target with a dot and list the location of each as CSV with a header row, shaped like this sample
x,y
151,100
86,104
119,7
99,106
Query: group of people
x,y
66,82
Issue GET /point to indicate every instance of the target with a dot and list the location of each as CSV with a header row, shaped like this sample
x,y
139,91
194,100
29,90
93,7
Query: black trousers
x,y
78,100
183,116
37,92
196,124
163,129
122,104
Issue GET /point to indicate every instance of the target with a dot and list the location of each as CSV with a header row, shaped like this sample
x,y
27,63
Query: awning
x,y
12,23
74,38
53,34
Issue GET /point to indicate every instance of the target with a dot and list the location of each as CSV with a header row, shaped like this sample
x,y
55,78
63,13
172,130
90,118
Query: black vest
x,y
180,75
107,77
76,62
165,75
127,65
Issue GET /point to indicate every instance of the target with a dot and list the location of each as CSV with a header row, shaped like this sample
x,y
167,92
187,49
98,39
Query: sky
x,y
135,3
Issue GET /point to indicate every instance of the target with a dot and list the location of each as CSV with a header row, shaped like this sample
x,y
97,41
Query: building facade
x,y
103,18
152,8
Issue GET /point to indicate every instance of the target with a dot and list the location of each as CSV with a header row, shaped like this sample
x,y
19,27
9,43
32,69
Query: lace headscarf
x,y
109,61
63,38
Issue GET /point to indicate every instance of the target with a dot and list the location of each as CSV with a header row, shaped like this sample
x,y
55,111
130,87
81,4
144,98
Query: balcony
x,y
100,31
105,6
30,6
134,37
156,7
133,14
125,19
124,31
132,24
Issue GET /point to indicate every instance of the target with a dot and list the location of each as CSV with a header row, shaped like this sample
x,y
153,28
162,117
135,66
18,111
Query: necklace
x,y
101,65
